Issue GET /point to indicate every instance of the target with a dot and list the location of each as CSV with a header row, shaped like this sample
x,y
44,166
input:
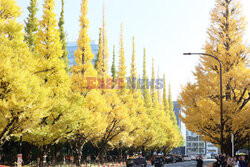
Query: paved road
x,y
184,164
188,164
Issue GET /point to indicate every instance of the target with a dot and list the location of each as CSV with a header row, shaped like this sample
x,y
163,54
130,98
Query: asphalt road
x,y
188,164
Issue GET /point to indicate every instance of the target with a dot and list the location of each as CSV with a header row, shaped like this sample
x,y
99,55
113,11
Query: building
x,y
72,46
195,146
211,149
193,143
177,111
182,127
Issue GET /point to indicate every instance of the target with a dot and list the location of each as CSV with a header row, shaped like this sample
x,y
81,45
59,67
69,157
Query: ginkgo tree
x,y
118,117
51,70
135,105
20,107
201,100
86,130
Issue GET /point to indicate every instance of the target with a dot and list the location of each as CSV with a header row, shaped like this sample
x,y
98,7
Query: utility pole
x,y
221,100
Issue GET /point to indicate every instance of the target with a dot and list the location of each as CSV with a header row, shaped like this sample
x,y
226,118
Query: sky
x,y
166,28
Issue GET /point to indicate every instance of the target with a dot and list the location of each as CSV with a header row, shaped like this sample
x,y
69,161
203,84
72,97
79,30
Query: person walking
x,y
234,162
242,162
229,161
140,161
152,159
224,162
220,160
199,161
159,161
217,163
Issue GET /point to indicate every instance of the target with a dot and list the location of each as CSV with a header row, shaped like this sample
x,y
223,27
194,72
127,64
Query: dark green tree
x,y
165,100
113,69
31,25
63,38
170,101
145,89
98,63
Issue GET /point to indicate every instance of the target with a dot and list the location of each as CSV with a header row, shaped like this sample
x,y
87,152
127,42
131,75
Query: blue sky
x,y
166,28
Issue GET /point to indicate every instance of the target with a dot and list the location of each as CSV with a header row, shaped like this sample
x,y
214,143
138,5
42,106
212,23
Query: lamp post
x,y
221,103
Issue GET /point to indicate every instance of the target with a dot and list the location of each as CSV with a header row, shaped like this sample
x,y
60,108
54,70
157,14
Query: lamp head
x,y
186,53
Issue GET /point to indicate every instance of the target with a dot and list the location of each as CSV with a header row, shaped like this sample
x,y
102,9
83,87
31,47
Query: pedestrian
x,y
217,163
234,162
220,160
242,162
140,161
229,161
159,161
152,159
71,158
224,162
199,161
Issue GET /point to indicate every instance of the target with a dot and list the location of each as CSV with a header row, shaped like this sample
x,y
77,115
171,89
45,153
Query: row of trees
x,y
201,100
44,105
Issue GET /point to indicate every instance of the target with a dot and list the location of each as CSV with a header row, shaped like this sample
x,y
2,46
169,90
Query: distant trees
x,y
43,103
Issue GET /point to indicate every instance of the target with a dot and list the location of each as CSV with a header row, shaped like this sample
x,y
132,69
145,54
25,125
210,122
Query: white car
x,y
187,158
193,157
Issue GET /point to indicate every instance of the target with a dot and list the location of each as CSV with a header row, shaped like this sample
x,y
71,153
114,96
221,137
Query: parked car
x,y
178,158
170,159
193,157
210,156
186,158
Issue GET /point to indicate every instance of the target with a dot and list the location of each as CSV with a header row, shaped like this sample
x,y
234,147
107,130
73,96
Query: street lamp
x,y
221,103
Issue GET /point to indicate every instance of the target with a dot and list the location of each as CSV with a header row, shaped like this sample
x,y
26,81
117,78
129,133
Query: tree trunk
x,y
121,154
101,154
227,145
1,155
79,147
143,151
119,150
44,155
58,148
101,149
26,153
164,151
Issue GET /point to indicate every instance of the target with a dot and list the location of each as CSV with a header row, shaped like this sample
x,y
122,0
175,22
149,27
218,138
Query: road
x,y
188,164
